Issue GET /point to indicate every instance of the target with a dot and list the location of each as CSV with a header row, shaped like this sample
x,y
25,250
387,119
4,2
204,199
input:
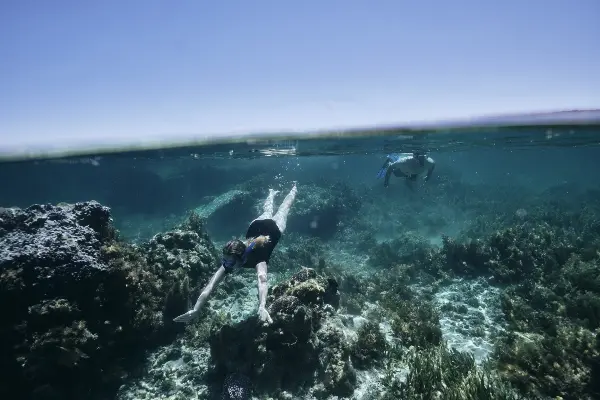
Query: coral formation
x,y
550,302
370,347
518,282
404,249
440,373
286,354
84,305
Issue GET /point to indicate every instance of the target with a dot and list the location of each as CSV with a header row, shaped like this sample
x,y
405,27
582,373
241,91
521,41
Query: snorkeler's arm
x,y
193,313
214,281
381,172
386,163
388,172
431,168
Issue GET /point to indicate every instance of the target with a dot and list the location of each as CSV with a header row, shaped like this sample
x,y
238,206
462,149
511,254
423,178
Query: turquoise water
x,y
499,252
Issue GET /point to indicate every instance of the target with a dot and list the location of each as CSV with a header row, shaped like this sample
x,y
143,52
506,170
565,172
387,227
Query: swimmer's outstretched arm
x,y
388,172
386,163
193,313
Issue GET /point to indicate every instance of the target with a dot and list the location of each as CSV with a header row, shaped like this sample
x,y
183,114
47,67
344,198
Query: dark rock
x,y
186,259
81,305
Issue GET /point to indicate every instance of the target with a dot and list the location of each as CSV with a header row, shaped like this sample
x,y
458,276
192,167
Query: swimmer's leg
x,y
268,206
284,209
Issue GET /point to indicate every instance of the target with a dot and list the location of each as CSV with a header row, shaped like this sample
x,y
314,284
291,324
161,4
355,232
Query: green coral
x,y
209,322
335,372
551,301
299,345
414,319
417,324
370,346
440,373
559,365
407,248
309,292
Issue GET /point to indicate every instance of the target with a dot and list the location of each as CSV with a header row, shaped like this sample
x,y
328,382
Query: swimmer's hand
x,y
263,315
187,317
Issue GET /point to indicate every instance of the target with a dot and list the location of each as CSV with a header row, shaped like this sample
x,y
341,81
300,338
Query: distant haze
x,y
81,73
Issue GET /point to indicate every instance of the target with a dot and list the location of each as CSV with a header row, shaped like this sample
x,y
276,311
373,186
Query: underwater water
x,y
481,283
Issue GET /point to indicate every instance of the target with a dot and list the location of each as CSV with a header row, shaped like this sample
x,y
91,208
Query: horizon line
x,y
583,117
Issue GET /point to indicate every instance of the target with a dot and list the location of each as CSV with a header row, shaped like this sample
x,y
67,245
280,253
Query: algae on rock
x,y
85,305
300,342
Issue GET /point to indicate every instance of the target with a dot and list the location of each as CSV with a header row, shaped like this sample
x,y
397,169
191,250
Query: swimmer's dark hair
x,y
235,248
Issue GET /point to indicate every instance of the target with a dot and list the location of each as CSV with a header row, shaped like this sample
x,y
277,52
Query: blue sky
x,y
74,71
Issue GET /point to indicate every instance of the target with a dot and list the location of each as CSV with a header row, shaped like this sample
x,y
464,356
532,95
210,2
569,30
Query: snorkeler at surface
x,y
254,252
406,165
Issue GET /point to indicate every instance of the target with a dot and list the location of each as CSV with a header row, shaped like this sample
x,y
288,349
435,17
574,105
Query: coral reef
x,y
406,248
370,347
551,365
299,343
550,300
440,373
462,267
84,305
185,258
294,250
413,316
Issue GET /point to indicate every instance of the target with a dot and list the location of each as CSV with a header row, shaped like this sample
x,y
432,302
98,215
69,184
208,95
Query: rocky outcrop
x,y
300,344
185,258
79,305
